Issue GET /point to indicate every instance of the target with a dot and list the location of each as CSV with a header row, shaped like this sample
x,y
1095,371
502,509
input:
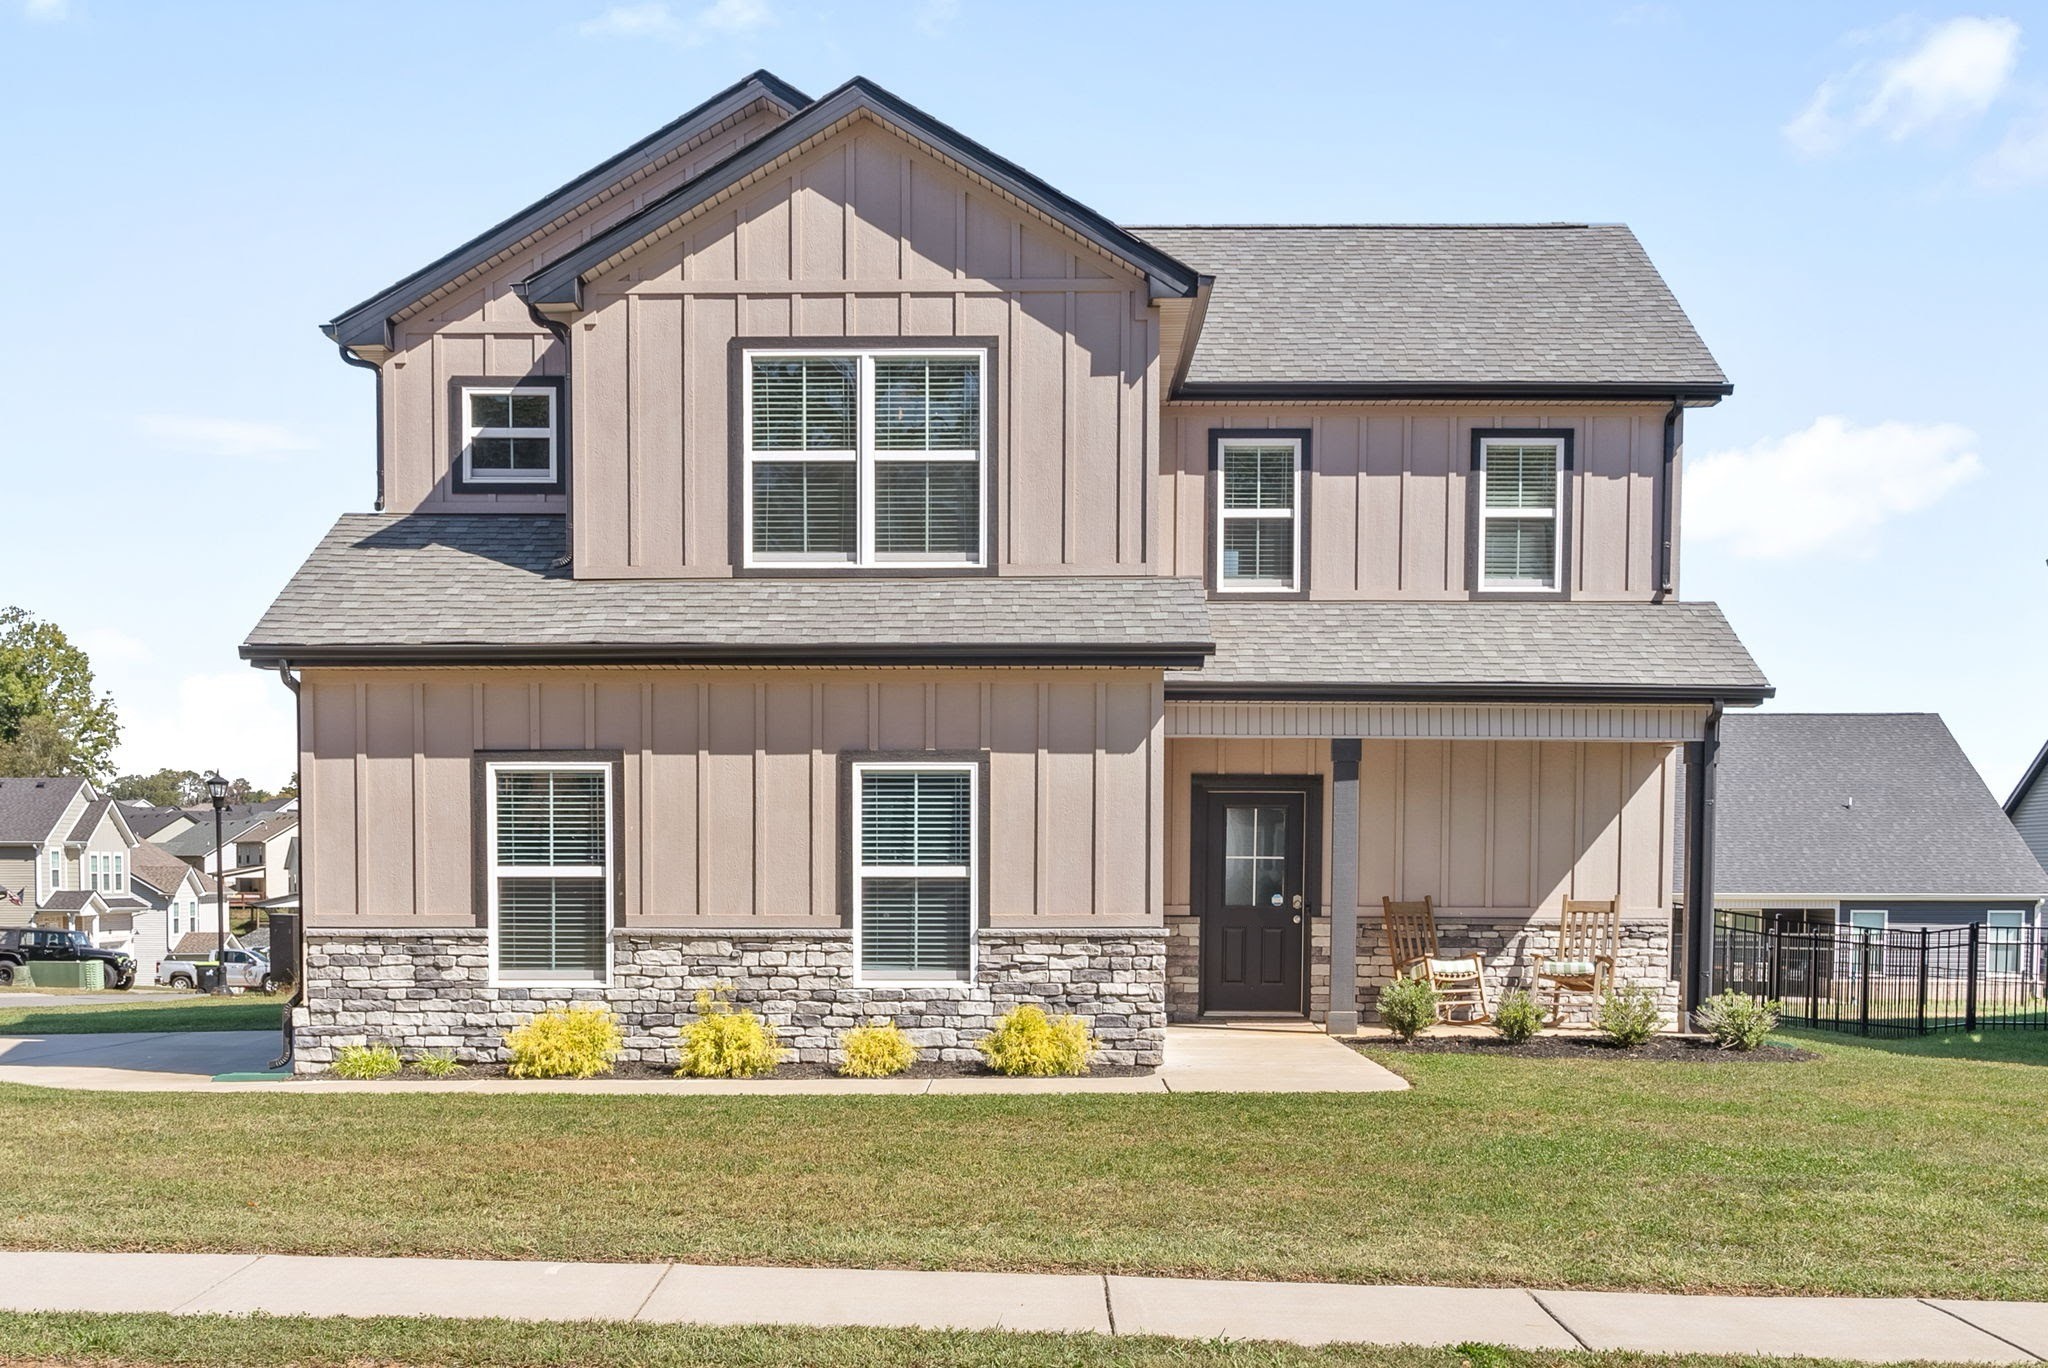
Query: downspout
x,y
378,370
1701,786
561,335
285,1059
1667,509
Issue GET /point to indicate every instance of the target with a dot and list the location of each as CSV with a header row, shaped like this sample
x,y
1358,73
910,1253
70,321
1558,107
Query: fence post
x,y
1923,982
1970,992
1863,983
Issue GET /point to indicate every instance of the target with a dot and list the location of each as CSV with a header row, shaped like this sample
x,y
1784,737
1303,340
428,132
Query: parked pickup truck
x,y
246,969
28,946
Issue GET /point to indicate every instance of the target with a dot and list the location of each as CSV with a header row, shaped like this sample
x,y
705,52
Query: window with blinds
x,y
1257,528
914,871
1519,488
863,459
509,435
550,852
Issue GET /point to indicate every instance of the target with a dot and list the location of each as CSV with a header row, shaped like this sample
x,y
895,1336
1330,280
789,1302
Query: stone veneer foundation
x,y
431,990
1511,947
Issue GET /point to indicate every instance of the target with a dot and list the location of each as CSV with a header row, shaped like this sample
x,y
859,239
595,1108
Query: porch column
x,y
1698,982
1343,1011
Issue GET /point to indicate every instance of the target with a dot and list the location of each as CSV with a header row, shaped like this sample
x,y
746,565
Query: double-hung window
x,y
2002,934
1521,483
509,435
1258,527
56,871
549,844
865,458
915,875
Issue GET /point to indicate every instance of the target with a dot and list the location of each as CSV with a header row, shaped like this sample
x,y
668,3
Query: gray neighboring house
x,y
2028,806
1864,820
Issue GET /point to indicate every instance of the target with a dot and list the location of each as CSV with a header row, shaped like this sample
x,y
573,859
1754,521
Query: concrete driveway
x,y
141,1061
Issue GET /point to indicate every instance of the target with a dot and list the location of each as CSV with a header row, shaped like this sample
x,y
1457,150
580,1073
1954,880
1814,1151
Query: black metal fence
x,y
1897,981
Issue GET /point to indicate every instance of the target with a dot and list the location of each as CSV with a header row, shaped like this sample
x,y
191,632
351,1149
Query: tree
x,y
165,788
42,675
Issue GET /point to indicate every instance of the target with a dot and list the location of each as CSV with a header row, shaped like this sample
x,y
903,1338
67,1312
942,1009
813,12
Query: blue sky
x,y
1848,198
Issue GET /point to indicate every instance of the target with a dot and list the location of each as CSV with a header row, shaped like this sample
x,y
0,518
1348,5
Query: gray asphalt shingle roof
x,y
31,808
1460,305
90,818
1548,645
487,582
1858,805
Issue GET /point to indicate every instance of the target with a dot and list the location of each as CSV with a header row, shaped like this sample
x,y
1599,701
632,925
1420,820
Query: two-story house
x,y
255,853
813,553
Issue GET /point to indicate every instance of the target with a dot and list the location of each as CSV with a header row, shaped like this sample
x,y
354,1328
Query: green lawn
x,y
198,1012
279,1342
1894,1170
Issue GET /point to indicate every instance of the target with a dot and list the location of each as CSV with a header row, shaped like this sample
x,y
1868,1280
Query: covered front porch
x,y
1287,823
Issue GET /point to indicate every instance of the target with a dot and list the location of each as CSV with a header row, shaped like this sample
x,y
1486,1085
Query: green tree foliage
x,y
44,676
165,788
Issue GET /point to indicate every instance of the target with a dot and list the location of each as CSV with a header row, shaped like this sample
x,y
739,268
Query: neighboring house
x,y
1867,821
255,854
2028,806
968,601
180,901
152,823
64,854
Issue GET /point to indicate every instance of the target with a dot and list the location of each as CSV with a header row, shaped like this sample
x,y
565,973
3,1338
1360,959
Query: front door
x,y
1255,899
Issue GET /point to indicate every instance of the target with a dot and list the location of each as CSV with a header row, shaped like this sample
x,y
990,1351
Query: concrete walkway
x,y
1873,1330
1238,1057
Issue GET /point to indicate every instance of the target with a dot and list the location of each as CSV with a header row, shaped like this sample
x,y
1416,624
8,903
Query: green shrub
x,y
438,1065
1027,1043
578,1041
1408,1006
1629,1016
365,1061
725,1043
1518,1018
1736,1022
876,1051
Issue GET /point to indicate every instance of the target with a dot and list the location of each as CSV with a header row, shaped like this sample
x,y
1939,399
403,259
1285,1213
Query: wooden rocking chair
x,y
1588,944
1460,980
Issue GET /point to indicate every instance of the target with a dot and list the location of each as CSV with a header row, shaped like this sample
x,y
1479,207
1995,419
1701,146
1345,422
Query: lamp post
x,y
217,790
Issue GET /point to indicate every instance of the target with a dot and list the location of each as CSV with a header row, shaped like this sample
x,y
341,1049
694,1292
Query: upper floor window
x,y
248,853
549,847
1521,485
509,435
865,458
56,871
1258,523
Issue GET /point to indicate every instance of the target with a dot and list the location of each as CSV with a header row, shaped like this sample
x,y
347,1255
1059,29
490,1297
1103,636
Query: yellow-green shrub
x,y
1029,1044
578,1041
876,1051
725,1043
438,1065
365,1061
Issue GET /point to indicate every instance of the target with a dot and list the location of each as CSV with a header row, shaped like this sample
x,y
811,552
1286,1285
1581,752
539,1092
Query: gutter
x,y
1702,695
1188,655
1446,389
378,370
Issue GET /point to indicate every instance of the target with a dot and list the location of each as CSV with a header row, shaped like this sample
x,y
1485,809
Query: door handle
x,y
1297,902
1297,919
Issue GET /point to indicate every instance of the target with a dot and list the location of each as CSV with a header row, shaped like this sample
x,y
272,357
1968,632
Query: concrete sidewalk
x,y
1870,1329
1234,1058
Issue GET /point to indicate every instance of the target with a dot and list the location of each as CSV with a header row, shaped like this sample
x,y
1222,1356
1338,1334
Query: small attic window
x,y
508,437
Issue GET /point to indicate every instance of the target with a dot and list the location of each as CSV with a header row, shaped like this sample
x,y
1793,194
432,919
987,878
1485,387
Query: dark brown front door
x,y
1254,899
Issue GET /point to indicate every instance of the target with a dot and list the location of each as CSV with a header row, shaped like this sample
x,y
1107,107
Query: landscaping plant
x,y
1518,1018
436,1065
1736,1022
365,1061
1408,1006
578,1041
724,1042
1629,1016
876,1051
1027,1043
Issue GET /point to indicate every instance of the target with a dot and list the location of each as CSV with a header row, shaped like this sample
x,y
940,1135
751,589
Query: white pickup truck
x,y
246,969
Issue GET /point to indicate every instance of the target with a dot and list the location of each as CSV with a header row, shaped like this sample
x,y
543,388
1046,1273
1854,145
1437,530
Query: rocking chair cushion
x,y
1567,968
1454,968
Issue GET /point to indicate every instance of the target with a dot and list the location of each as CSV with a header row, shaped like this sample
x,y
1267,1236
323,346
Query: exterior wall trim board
x,y
1389,721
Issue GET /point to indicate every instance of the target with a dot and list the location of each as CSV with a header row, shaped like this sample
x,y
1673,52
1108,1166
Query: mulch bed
x,y
636,1071
1665,1049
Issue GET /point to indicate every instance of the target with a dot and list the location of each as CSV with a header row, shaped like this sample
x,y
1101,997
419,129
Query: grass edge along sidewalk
x,y
106,1013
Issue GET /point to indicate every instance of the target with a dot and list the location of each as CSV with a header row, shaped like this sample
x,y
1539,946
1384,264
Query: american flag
x,y
14,897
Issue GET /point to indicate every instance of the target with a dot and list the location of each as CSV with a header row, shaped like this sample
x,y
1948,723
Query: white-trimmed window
x,y
865,458
549,843
2002,933
509,434
1258,524
915,878
1521,482
56,871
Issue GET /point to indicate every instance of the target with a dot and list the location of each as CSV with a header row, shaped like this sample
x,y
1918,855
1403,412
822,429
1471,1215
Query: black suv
x,y
28,945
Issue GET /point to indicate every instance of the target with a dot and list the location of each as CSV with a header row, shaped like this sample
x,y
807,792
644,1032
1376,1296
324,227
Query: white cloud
x,y
2021,157
234,438
49,11
936,16
1828,487
657,19
239,720
1952,74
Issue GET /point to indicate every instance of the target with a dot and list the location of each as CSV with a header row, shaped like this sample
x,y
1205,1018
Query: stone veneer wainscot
x,y
431,990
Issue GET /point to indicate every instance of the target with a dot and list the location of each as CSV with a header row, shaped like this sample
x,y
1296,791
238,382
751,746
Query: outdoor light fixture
x,y
217,790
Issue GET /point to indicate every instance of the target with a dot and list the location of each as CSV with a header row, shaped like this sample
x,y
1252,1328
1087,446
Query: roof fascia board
x,y
1734,695
1165,656
560,281
367,324
1693,395
2028,780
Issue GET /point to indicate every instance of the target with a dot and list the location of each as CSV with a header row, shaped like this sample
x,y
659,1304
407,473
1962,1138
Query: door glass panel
x,y
1254,855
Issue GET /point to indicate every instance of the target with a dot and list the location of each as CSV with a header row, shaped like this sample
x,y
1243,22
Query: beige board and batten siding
x,y
1501,829
865,235
1389,494
479,327
731,785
